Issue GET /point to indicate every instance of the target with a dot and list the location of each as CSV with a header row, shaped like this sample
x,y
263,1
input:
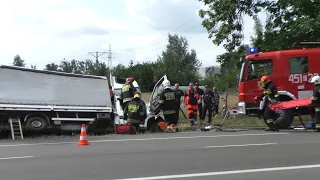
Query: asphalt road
x,y
198,155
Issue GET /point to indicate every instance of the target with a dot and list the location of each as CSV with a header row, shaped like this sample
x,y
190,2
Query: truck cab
x,y
289,70
151,105
116,84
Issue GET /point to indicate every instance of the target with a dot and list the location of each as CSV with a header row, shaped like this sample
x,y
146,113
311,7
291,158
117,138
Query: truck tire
x,y
286,117
36,124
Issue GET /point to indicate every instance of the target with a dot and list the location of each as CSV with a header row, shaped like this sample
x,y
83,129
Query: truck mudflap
x,y
290,104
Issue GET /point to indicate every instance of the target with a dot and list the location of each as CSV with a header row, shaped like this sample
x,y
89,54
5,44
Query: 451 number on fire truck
x,y
301,78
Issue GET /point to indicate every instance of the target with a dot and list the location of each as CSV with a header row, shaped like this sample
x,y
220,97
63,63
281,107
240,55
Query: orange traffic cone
x,y
83,137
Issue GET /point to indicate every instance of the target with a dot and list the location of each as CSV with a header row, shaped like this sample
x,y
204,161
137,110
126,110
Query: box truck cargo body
x,y
48,99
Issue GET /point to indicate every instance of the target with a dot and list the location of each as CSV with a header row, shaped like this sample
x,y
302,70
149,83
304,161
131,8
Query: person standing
x,y
191,101
168,105
200,93
316,100
127,93
208,98
179,93
216,100
271,93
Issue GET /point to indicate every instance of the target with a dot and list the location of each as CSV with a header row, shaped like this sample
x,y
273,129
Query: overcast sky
x,y
45,31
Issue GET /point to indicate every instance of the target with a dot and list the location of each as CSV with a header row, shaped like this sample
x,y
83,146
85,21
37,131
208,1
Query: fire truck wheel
x,y
284,117
36,124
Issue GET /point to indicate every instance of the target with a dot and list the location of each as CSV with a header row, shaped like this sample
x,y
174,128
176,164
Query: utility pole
x,y
97,55
109,57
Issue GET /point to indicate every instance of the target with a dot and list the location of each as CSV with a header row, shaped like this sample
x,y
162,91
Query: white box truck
x,y
43,99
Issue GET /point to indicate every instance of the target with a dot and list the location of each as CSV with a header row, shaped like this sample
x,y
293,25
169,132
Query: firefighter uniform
x,y
191,100
135,111
271,93
316,100
168,105
208,98
127,93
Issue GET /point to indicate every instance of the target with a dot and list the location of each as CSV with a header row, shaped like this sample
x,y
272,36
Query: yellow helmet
x,y
137,95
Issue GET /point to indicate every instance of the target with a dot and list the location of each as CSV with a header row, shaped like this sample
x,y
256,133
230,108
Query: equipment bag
x,y
125,129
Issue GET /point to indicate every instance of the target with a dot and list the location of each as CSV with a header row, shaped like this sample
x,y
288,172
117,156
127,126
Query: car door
x,y
154,99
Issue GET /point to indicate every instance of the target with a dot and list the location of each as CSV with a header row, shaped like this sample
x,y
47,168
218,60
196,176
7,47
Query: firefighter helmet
x,y
166,84
129,80
265,78
315,80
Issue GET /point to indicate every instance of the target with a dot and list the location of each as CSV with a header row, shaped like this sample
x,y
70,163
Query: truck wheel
x,y
284,116
36,124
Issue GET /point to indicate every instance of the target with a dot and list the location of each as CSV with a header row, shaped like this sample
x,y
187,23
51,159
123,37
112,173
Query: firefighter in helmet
x,y
271,93
316,100
135,111
127,93
168,104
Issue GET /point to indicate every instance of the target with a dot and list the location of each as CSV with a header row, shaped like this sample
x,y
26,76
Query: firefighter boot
x,y
271,126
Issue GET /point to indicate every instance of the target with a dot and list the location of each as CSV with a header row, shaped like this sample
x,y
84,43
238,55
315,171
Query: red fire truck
x,y
289,70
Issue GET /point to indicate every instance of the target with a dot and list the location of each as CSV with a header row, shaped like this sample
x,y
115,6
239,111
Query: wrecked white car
x,y
151,106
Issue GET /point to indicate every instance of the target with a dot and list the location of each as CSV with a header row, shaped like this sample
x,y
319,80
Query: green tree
x,y
177,62
17,61
52,67
288,21
257,40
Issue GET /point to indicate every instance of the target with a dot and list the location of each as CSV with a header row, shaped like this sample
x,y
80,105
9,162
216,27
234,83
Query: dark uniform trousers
x,y
208,98
271,93
208,108
200,108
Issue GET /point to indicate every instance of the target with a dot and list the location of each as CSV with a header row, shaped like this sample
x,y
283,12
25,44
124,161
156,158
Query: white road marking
x,y
19,157
144,139
240,145
179,176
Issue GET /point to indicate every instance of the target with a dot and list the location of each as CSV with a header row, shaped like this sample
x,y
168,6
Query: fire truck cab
x,y
289,70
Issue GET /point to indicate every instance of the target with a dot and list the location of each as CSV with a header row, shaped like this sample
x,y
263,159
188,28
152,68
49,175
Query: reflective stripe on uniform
x,y
276,95
133,108
314,98
126,88
267,91
269,121
161,101
317,126
317,109
133,121
169,112
127,99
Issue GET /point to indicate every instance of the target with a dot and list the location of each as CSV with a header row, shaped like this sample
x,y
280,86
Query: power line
x,y
187,22
166,39
150,43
